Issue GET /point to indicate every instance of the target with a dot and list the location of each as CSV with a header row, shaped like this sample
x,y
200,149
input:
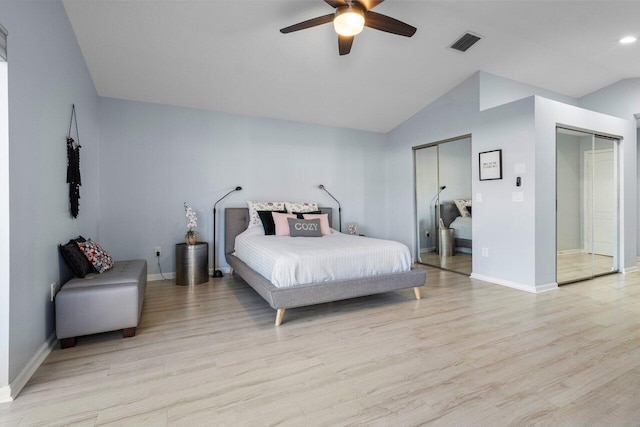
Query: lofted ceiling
x,y
229,56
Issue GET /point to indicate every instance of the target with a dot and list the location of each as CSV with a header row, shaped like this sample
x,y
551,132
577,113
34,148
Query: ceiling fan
x,y
350,17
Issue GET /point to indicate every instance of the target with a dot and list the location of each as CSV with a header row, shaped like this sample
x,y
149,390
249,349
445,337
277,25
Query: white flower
x,y
192,218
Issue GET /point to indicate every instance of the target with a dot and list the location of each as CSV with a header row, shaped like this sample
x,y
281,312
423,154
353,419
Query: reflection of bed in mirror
x,y
462,225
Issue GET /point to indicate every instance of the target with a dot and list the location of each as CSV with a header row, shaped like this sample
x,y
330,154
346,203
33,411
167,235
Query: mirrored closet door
x,y
443,204
587,205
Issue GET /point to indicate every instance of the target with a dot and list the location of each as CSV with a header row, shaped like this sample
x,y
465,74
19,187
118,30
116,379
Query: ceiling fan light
x,y
348,21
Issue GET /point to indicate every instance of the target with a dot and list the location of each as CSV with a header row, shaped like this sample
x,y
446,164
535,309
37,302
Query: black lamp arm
x,y
339,206
220,199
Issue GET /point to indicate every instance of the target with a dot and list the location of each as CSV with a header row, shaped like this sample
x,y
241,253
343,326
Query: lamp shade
x,y
348,21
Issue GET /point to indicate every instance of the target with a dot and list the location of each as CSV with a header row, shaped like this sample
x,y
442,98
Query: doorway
x,y
443,204
586,205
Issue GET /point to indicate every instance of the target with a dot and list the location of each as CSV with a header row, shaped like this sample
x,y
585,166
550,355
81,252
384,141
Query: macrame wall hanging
x,y
73,166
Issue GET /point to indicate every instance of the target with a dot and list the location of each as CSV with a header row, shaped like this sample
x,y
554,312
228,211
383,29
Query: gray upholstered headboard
x,y
236,221
448,212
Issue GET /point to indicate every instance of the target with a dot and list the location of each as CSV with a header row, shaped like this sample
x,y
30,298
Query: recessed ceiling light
x,y
627,40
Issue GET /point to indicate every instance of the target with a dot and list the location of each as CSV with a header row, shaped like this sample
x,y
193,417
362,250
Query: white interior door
x,y
600,200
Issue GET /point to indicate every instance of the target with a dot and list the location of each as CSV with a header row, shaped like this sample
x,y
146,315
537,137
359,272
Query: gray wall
x,y
496,91
506,228
46,75
153,158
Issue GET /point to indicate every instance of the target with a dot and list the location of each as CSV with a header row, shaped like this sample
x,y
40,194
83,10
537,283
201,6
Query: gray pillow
x,y
304,227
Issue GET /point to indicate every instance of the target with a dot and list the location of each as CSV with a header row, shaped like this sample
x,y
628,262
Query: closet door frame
x,y
616,141
415,192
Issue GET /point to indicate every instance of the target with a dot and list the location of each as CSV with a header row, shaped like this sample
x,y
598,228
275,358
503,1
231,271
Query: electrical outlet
x,y
485,251
157,250
54,288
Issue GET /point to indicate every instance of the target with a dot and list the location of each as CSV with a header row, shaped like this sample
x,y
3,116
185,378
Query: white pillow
x,y
254,207
300,207
462,204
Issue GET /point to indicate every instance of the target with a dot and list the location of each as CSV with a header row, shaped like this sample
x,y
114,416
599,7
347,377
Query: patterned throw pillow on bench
x,y
100,259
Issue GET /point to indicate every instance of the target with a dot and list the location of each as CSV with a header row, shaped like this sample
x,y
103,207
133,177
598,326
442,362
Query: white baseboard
x,y
547,287
5,394
628,270
515,285
157,276
172,274
10,392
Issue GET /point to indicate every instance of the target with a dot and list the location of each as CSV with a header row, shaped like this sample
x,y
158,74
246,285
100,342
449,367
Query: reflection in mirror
x,y
443,204
586,213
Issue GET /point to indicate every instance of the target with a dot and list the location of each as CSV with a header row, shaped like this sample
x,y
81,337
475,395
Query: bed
x,y
282,298
462,225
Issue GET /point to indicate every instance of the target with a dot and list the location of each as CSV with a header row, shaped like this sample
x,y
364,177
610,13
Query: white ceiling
x,y
229,55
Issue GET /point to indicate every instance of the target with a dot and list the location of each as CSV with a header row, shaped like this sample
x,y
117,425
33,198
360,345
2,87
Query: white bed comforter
x,y
289,261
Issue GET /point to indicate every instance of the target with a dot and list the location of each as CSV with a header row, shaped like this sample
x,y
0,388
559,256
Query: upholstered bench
x,y
102,302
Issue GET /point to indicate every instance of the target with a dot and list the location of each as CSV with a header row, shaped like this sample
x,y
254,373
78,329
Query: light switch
x,y
478,197
517,196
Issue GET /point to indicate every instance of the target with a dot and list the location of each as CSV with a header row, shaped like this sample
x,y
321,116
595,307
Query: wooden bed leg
x,y
231,272
279,316
416,290
67,342
129,332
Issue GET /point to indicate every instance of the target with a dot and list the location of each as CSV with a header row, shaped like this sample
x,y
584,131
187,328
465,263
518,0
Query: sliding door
x,y
587,205
443,227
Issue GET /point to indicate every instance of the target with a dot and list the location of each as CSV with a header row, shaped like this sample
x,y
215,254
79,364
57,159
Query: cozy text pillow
x,y
304,227
280,221
100,259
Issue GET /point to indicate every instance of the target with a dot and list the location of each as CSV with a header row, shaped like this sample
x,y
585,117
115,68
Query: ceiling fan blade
x,y
369,4
386,23
344,44
308,24
336,3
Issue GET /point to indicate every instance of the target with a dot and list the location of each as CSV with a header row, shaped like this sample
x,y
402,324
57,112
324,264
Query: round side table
x,y
192,263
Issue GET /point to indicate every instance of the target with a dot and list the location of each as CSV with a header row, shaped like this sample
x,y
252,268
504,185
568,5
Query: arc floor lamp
x,y
339,207
218,273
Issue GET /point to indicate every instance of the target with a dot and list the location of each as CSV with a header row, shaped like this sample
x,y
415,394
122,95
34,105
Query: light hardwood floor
x,y
468,353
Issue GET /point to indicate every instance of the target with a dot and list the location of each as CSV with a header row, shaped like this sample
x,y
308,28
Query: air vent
x,y
465,42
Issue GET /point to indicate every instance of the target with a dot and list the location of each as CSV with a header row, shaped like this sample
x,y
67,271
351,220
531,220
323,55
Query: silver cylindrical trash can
x,y
446,242
191,263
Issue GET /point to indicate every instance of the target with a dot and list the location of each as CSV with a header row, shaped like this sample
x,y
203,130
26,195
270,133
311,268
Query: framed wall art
x,y
490,165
